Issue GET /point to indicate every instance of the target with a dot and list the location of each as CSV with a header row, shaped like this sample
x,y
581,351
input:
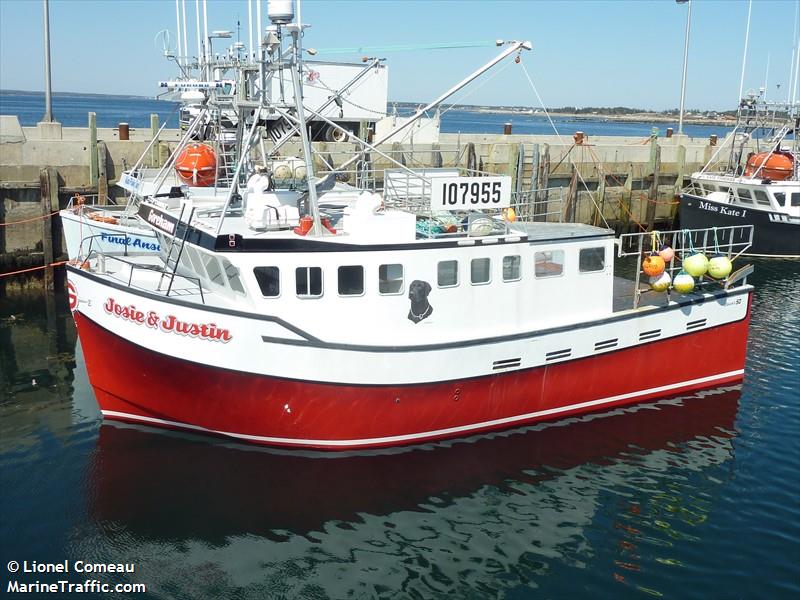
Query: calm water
x,y
71,110
693,497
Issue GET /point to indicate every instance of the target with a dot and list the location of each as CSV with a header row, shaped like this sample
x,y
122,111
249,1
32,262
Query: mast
x,y
297,49
197,22
744,56
185,36
178,26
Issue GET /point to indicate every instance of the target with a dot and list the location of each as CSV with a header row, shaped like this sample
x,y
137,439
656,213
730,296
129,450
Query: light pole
x,y
685,61
48,100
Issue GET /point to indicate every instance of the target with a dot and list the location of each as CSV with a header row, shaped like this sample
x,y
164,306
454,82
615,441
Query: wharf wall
x,y
629,182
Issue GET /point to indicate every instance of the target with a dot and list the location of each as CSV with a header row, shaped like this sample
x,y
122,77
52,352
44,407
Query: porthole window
x,y
480,271
269,281
390,279
447,273
549,263
351,280
308,282
511,268
592,259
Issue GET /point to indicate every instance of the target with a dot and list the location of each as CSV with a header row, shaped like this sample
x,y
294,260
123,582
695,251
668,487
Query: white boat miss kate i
x,y
442,307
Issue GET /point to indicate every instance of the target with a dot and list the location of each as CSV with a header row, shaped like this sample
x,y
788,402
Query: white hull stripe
x,y
428,434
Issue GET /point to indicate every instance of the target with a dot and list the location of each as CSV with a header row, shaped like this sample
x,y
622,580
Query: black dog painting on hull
x,y
420,307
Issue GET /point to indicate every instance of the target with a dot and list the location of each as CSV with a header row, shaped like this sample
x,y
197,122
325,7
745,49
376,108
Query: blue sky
x,y
586,53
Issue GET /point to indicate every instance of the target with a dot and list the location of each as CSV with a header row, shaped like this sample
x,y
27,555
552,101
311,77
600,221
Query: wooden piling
x,y
625,200
93,167
102,173
154,152
600,200
437,161
48,185
397,153
472,158
544,180
673,213
572,196
655,165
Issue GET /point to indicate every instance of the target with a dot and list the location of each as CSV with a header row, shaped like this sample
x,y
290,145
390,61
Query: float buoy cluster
x,y
693,267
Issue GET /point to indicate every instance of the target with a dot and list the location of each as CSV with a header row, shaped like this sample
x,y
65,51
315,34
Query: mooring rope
x,y
39,218
39,268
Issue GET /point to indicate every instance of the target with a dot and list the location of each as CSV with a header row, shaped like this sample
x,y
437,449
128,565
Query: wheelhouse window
x,y
744,196
269,281
390,279
351,280
308,282
761,197
213,269
795,198
511,268
591,259
780,198
480,271
194,258
234,279
549,263
447,273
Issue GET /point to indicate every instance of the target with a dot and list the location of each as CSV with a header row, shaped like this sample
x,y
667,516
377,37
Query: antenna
x,y
744,57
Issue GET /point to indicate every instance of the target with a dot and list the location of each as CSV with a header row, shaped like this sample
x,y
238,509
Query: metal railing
x,y
730,242
101,259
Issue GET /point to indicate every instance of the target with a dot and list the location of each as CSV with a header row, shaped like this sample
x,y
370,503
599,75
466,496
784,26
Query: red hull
x,y
135,384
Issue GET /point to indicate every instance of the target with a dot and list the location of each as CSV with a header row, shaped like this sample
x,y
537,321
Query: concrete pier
x,y
626,181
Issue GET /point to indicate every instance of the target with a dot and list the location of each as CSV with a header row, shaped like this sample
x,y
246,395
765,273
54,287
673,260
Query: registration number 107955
x,y
465,193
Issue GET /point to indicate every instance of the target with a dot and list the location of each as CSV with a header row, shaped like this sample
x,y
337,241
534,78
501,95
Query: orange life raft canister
x,y
197,165
773,165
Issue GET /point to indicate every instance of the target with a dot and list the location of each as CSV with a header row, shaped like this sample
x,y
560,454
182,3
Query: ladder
x,y
225,149
174,252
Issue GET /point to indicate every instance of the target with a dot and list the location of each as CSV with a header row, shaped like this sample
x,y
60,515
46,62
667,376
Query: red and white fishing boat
x,y
442,307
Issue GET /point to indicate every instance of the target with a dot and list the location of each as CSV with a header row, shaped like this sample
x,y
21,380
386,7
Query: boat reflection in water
x,y
424,520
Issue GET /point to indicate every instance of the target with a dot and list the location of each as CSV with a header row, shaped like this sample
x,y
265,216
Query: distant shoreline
x,y
654,117
88,94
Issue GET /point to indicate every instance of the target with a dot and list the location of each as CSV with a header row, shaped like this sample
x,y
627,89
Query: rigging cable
x,y
577,170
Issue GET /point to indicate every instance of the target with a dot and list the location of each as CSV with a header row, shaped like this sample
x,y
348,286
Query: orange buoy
x,y
653,265
196,165
770,165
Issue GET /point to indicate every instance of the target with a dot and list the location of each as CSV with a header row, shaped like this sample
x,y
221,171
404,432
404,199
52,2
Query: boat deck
x,y
624,293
